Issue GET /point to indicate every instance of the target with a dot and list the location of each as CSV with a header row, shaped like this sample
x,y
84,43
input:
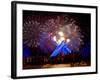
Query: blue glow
x,y
66,50
85,51
26,51
61,48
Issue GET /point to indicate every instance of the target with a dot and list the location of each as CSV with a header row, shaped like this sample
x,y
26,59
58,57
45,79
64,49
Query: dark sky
x,y
83,20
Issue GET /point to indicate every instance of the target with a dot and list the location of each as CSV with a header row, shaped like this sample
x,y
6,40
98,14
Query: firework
x,y
47,32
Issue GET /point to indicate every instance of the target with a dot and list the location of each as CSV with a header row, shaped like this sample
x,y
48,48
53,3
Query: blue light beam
x,y
61,48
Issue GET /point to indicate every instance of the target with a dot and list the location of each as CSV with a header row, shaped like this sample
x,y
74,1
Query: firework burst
x,y
47,31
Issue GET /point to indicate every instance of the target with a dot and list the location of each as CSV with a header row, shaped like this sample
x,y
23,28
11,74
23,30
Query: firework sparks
x,y
61,33
68,40
49,31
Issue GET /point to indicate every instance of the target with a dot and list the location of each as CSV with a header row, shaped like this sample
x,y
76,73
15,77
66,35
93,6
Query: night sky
x,y
44,31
